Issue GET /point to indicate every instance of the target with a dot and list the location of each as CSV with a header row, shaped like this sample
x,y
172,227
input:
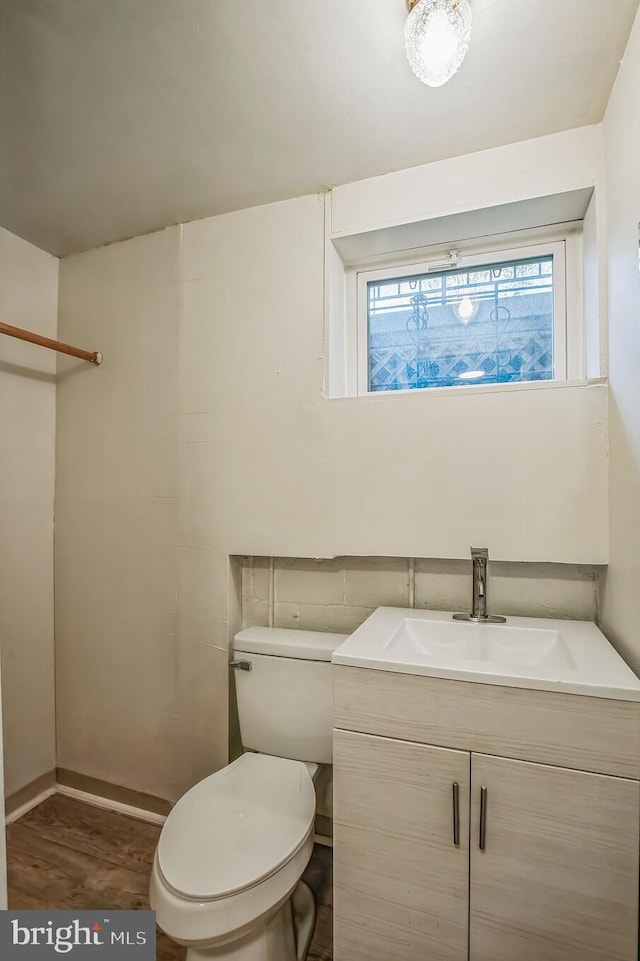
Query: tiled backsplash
x,y
338,594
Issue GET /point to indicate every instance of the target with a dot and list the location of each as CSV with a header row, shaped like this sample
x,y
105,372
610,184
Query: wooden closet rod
x,y
91,355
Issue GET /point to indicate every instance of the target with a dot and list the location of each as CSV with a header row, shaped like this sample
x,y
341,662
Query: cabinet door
x,y
558,878
400,881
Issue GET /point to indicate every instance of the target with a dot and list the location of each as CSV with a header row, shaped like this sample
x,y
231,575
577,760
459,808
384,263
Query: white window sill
x,y
471,389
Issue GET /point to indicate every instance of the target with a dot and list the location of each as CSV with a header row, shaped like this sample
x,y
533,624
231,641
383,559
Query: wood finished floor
x,y
68,855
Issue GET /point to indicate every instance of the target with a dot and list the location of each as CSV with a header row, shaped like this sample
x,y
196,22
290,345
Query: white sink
x,y
491,646
557,655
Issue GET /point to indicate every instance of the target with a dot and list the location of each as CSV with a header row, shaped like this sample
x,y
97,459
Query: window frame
x,y
568,337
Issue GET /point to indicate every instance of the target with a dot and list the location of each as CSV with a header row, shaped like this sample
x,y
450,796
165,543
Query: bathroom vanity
x,y
486,792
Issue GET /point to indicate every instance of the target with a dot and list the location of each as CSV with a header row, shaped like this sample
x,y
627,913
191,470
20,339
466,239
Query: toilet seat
x,y
237,827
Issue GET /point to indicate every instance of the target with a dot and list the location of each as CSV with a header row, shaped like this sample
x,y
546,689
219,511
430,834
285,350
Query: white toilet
x,y
226,873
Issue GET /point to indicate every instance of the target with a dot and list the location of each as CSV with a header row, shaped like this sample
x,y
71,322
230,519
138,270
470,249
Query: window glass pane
x,y
491,324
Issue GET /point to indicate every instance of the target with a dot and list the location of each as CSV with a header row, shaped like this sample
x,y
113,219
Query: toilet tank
x,y
285,699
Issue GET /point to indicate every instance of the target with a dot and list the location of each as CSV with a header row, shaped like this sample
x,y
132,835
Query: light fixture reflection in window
x,y
466,309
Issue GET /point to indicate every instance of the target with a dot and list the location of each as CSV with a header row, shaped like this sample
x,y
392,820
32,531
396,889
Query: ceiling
x,y
119,117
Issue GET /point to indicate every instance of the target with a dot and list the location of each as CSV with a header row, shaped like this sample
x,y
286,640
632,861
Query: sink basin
x,y
501,645
556,655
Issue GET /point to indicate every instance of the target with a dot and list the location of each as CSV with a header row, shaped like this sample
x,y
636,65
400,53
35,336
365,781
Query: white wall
x,y
621,611
518,172
118,663
28,298
205,434
422,474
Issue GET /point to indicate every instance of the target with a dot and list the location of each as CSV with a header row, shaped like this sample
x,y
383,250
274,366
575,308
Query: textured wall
x,y
338,594
621,604
28,298
205,434
119,665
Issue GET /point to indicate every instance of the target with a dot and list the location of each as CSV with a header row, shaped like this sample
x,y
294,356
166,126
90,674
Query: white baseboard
x,y
106,803
29,805
327,842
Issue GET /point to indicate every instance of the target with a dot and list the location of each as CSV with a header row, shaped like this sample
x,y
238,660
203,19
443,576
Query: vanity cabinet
x,y
556,877
401,883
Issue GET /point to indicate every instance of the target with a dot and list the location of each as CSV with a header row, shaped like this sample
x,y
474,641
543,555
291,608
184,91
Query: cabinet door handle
x,y
483,818
456,813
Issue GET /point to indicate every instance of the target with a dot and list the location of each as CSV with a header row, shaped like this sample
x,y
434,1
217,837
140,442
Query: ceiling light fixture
x,y
437,36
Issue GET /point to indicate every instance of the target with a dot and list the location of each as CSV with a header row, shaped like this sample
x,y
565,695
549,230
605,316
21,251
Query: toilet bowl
x,y
226,877
230,856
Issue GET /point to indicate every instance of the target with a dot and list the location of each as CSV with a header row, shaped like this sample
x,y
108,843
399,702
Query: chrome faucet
x,y
479,560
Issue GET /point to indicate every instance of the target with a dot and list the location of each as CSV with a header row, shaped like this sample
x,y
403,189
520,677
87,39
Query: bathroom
x,y
219,470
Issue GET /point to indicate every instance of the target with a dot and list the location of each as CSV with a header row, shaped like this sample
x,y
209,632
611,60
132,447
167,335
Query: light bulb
x,y
439,42
437,36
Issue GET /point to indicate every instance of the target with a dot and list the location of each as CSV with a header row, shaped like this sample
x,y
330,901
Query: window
x,y
497,318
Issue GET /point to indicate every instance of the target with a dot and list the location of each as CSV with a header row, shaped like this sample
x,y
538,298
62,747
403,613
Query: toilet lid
x,y
237,826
